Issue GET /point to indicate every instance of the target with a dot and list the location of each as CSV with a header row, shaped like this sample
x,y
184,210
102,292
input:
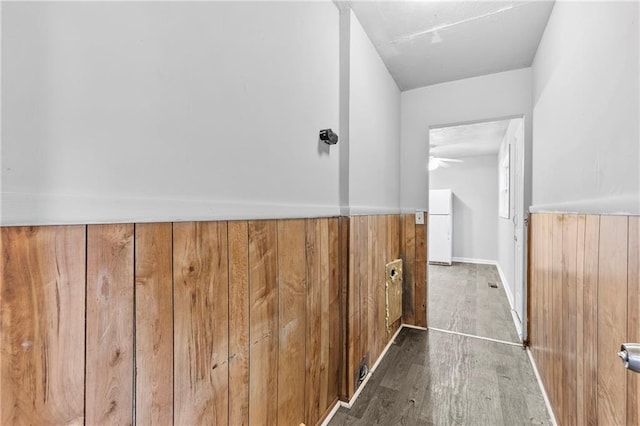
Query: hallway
x,y
461,300
438,378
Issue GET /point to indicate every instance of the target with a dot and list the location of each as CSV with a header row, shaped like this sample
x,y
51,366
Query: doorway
x,y
477,277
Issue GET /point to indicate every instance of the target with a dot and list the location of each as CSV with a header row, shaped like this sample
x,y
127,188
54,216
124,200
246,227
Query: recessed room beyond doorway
x,y
473,232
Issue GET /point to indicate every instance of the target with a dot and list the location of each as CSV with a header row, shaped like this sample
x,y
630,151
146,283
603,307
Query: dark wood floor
x,y
435,378
461,300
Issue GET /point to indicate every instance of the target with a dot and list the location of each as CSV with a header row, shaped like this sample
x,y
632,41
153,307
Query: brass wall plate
x,y
393,278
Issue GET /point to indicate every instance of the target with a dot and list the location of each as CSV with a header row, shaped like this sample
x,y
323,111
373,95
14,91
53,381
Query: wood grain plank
x,y
612,319
579,367
590,319
568,332
154,323
42,324
382,256
362,253
201,343
633,321
335,317
354,331
314,319
324,317
535,263
550,320
557,307
534,295
347,326
263,363
109,333
292,296
372,285
409,261
239,314
543,270
421,274
394,236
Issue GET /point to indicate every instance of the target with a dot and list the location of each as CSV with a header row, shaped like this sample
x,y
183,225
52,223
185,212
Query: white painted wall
x,y
484,98
474,184
374,130
146,111
586,150
475,99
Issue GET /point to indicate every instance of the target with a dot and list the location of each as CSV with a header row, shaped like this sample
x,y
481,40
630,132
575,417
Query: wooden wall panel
x,y
362,252
580,313
612,319
584,279
589,347
334,314
325,290
200,268
42,323
373,242
348,304
534,290
313,308
382,257
239,314
216,312
546,262
263,303
568,346
110,325
408,254
370,286
154,323
556,311
292,296
357,315
633,322
421,274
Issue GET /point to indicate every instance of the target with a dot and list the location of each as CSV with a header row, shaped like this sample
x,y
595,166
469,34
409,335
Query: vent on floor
x,y
493,285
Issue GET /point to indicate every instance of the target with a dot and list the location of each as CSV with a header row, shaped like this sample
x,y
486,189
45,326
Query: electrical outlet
x,y
419,218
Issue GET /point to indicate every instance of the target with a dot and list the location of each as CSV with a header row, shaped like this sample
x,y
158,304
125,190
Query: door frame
x,y
521,328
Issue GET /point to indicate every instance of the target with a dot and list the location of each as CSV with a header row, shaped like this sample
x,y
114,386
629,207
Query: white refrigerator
x,y
440,226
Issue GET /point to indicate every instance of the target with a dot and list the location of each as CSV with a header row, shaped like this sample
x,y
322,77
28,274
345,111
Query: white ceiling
x,y
429,42
467,140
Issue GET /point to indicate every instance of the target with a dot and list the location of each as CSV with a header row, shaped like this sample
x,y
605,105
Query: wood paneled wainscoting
x,y
584,301
375,241
238,322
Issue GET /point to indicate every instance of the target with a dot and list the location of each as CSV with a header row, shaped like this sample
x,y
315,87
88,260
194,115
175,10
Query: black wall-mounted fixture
x,y
328,136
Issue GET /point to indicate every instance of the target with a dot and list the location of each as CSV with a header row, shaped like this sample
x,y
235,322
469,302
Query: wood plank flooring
x,y
436,378
461,300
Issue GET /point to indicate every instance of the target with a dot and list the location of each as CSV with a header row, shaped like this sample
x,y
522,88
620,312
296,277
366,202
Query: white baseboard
x,y
505,285
507,290
475,261
547,402
332,413
366,379
415,327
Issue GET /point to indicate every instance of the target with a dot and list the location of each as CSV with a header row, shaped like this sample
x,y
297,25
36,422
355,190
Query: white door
x,y
519,222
